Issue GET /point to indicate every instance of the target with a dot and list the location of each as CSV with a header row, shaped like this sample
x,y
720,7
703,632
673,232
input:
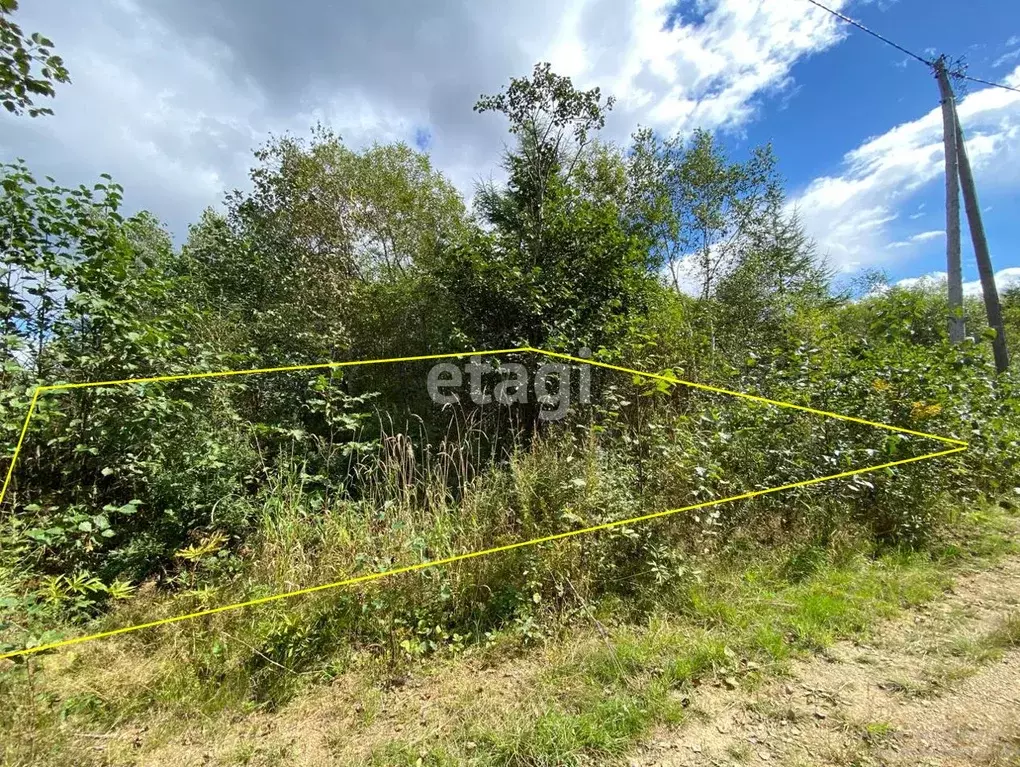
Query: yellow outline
x,y
960,447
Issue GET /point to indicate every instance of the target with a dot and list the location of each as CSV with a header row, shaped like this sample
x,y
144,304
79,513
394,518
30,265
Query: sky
x,y
172,96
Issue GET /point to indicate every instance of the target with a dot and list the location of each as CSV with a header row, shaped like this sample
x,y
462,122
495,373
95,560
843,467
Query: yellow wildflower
x,y
920,411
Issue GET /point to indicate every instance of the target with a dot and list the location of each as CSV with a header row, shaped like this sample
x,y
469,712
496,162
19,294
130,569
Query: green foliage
x,y
297,260
591,275
19,56
705,209
559,262
126,471
206,492
762,301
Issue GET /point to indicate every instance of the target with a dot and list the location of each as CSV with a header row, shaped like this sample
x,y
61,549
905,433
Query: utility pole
x,y
984,260
958,171
954,267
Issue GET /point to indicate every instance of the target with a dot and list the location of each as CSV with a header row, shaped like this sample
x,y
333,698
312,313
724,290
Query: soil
x,y
929,689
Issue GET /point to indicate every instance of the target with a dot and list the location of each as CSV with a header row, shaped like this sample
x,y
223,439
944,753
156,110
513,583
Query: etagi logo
x,y
551,386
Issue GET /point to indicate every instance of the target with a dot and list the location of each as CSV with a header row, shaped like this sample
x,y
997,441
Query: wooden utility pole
x,y
954,266
984,260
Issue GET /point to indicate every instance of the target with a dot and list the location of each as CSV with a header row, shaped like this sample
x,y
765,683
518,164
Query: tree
x,y
331,255
553,123
323,227
559,260
777,274
701,211
19,55
126,472
714,202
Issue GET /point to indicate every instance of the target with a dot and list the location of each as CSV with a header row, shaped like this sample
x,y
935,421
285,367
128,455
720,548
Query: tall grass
x,y
410,497
411,500
414,498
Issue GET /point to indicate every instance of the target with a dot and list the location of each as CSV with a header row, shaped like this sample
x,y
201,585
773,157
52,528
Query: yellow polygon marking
x,y
753,398
959,446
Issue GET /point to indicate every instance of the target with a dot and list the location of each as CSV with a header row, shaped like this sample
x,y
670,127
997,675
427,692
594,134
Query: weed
x,y
876,733
1006,635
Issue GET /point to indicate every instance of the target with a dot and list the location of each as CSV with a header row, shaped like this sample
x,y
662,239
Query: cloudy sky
x,y
171,96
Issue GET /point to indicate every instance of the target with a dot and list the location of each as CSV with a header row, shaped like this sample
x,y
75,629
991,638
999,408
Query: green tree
x,y
20,84
295,261
777,276
558,259
126,472
330,256
713,203
704,214
553,123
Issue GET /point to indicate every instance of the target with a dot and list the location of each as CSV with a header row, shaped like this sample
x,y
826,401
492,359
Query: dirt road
x,y
939,686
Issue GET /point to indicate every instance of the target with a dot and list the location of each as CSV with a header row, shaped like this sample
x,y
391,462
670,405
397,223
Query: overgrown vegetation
x,y
132,503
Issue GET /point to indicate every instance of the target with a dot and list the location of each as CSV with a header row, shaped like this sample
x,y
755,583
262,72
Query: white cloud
x,y
932,279
1004,279
146,106
712,73
1006,58
170,96
920,237
849,213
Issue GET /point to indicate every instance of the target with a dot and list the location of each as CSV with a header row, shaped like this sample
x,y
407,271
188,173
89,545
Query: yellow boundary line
x,y
960,447
756,398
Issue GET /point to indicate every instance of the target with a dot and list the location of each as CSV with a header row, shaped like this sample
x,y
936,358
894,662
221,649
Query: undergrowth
x,y
596,677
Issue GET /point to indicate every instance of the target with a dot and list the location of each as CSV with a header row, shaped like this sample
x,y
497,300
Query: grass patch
x,y
1007,634
876,733
588,692
988,647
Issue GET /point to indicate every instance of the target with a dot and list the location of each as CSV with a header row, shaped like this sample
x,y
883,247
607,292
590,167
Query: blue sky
x,y
171,96
861,88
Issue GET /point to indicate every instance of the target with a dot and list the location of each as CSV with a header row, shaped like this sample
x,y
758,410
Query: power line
x,y
863,28
927,62
979,80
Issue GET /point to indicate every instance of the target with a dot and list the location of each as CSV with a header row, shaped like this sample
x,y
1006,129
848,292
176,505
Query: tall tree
x,y
553,122
703,204
559,260
323,225
776,275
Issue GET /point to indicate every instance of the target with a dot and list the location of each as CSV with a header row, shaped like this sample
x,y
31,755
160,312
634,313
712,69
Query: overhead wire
x,y
959,74
962,76
873,33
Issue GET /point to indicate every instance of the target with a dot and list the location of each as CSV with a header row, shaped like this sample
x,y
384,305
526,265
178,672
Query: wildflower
x,y
920,411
